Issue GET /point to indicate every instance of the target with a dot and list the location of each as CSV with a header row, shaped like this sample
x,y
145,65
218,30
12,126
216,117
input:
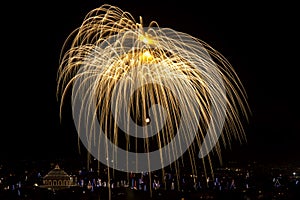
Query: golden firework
x,y
145,87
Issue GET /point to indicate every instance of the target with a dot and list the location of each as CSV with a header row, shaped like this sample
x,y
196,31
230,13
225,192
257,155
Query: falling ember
x,y
130,83
147,120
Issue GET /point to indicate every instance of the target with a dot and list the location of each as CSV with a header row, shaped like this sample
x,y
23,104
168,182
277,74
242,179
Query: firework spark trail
x,y
122,74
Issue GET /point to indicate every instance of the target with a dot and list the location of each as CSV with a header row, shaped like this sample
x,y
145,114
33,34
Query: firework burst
x,y
142,96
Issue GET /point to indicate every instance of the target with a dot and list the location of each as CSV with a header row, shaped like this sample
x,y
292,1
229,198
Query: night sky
x,y
259,40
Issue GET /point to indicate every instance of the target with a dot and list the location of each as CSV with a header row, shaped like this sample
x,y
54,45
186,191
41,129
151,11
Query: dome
x,y
57,179
57,174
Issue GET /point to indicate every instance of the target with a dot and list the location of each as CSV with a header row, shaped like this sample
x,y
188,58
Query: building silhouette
x,y
58,179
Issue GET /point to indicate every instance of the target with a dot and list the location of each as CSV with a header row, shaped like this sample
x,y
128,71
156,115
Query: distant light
x,y
294,173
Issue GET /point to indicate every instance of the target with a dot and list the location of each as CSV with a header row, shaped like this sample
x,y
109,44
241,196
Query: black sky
x,y
259,40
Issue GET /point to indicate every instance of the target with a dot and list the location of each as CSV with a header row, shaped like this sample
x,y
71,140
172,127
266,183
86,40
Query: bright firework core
x,y
143,96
